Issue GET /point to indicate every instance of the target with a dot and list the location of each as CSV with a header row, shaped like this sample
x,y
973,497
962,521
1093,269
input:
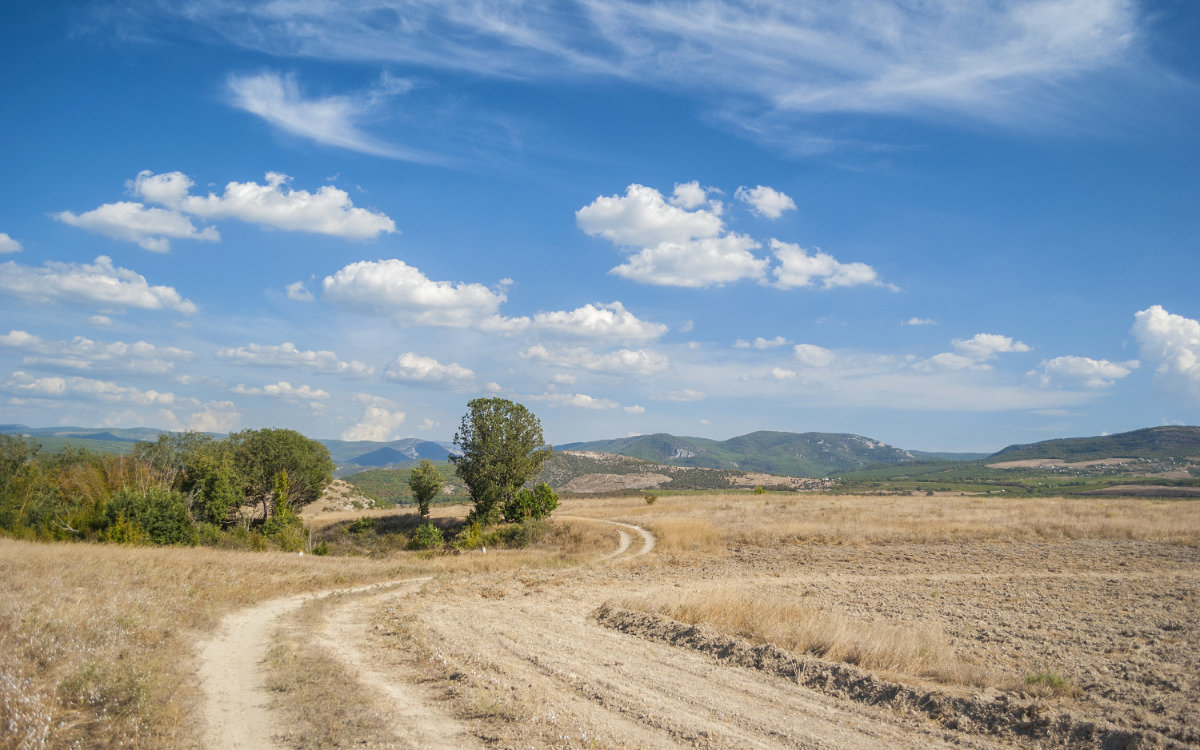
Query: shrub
x,y
158,516
321,549
536,503
362,526
520,536
650,499
427,536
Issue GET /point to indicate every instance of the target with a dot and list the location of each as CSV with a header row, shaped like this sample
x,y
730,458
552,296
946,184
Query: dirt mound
x,y
996,714
340,495
614,482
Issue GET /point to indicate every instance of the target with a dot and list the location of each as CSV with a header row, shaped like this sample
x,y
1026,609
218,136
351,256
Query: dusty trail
x,y
236,713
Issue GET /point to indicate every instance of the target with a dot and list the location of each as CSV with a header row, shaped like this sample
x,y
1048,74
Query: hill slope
x,y
809,454
1153,442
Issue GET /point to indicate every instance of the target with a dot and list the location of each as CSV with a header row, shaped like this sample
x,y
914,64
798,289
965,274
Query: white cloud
x,y
299,292
563,378
797,268
333,120
811,355
428,424
991,61
273,204
100,283
414,368
100,320
611,321
378,423
689,195
215,416
85,354
760,343
284,390
711,261
684,395
780,373
634,409
23,383
394,288
643,218
1171,345
622,361
151,228
580,400
1090,373
919,322
973,353
288,355
766,201
8,244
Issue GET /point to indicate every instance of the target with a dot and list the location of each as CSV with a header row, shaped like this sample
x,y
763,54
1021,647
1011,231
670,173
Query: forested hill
x,y
809,454
1153,442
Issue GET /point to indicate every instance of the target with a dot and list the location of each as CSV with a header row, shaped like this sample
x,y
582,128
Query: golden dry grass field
x,y
778,620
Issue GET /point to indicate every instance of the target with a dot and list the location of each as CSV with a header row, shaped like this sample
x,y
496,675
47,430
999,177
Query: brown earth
x,y
554,658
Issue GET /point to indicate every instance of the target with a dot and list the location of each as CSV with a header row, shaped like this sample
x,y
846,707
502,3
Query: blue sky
x,y
948,226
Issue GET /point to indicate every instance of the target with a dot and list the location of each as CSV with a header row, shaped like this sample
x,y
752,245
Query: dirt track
x,y
520,659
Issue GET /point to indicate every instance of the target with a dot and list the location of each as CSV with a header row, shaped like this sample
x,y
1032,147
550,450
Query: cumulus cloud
x,y
333,120
8,244
379,423
798,269
780,373
299,292
765,201
689,195
413,368
151,228
712,261
1090,373
634,409
580,400
611,321
23,383
214,416
623,361
100,283
643,218
428,424
973,353
283,390
811,355
288,354
395,289
1171,345
272,204
82,353
760,343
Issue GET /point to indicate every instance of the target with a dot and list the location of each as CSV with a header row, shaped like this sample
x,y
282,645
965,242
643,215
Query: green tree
x,y
534,503
425,481
501,448
259,455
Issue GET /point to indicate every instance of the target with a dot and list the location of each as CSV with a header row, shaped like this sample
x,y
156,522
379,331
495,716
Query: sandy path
x,y
236,712
626,541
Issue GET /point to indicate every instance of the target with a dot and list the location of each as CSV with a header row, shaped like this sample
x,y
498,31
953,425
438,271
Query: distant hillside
x,y
809,454
1153,442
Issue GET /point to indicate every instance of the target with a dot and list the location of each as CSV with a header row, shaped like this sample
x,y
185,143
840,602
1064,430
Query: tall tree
x,y
425,481
259,455
501,448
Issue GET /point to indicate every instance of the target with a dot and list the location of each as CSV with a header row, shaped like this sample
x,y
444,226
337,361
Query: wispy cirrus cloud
x,y
334,120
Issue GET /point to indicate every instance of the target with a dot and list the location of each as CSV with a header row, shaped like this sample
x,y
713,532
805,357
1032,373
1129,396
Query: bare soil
x,y
544,658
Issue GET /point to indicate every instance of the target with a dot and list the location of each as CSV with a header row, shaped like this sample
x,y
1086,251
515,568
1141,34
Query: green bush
x,y
427,536
520,536
536,503
362,525
157,516
650,499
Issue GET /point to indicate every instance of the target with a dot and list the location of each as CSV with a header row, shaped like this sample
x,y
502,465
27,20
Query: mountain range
x,y
809,454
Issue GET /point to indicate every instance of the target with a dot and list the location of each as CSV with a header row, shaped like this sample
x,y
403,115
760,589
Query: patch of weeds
x,y
650,499
362,526
1046,682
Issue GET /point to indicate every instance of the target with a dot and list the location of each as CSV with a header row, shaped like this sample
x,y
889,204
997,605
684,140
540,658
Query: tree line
x,y
184,488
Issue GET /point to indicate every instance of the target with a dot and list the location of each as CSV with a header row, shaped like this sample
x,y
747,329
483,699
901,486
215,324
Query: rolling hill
x,y
1153,442
809,454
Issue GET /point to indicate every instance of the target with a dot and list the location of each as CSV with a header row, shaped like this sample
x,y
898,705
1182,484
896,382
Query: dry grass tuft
x,y
687,535
768,617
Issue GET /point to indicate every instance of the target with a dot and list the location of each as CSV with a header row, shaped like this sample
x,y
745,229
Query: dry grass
x,y
775,518
768,617
686,535
96,641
